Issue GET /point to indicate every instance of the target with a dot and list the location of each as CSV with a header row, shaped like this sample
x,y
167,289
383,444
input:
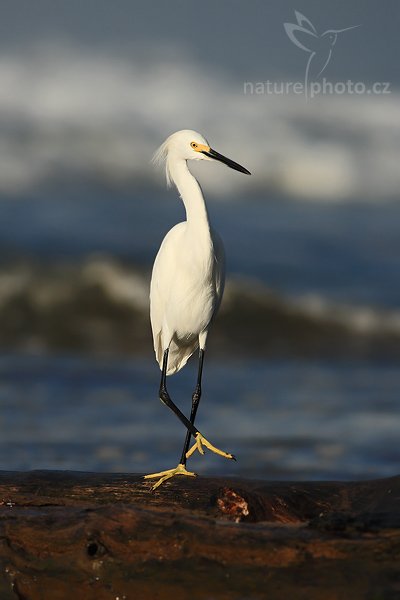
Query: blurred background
x,y
301,376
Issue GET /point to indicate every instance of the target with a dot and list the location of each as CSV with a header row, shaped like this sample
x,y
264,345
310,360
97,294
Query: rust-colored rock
x,y
107,536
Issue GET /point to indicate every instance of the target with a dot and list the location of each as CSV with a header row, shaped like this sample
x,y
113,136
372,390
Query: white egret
x,y
187,283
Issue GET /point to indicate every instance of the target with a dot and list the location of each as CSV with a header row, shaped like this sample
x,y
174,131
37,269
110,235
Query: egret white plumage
x,y
187,284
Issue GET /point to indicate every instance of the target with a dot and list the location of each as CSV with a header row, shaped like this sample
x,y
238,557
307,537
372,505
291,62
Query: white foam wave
x,y
361,320
103,306
69,110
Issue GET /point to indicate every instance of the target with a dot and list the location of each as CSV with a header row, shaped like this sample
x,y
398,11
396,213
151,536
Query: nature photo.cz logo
x,y
320,49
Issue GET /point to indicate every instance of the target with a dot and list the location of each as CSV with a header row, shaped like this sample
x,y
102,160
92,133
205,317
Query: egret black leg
x,y
165,398
201,441
195,404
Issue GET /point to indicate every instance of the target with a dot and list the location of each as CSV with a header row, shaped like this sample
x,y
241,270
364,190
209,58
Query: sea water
x,y
282,419
289,419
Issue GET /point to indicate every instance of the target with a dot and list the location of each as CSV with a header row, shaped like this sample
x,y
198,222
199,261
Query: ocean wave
x,y
69,112
101,306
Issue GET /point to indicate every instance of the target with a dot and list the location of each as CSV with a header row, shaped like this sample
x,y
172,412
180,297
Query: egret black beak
x,y
227,161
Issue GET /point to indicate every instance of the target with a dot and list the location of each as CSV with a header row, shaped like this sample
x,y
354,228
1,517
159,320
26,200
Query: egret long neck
x,y
191,194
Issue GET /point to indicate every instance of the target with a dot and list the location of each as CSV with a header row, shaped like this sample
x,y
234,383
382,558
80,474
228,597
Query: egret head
x,y
189,145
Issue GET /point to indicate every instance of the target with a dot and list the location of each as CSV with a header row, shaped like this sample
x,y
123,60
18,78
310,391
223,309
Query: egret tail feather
x,y
178,355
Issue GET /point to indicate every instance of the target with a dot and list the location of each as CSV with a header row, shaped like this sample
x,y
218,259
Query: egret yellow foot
x,y
164,475
200,442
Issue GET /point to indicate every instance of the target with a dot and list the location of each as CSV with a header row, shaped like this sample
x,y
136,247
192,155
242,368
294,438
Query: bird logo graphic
x,y
319,46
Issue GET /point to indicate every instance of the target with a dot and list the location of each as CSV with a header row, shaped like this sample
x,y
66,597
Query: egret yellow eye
x,y
194,145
